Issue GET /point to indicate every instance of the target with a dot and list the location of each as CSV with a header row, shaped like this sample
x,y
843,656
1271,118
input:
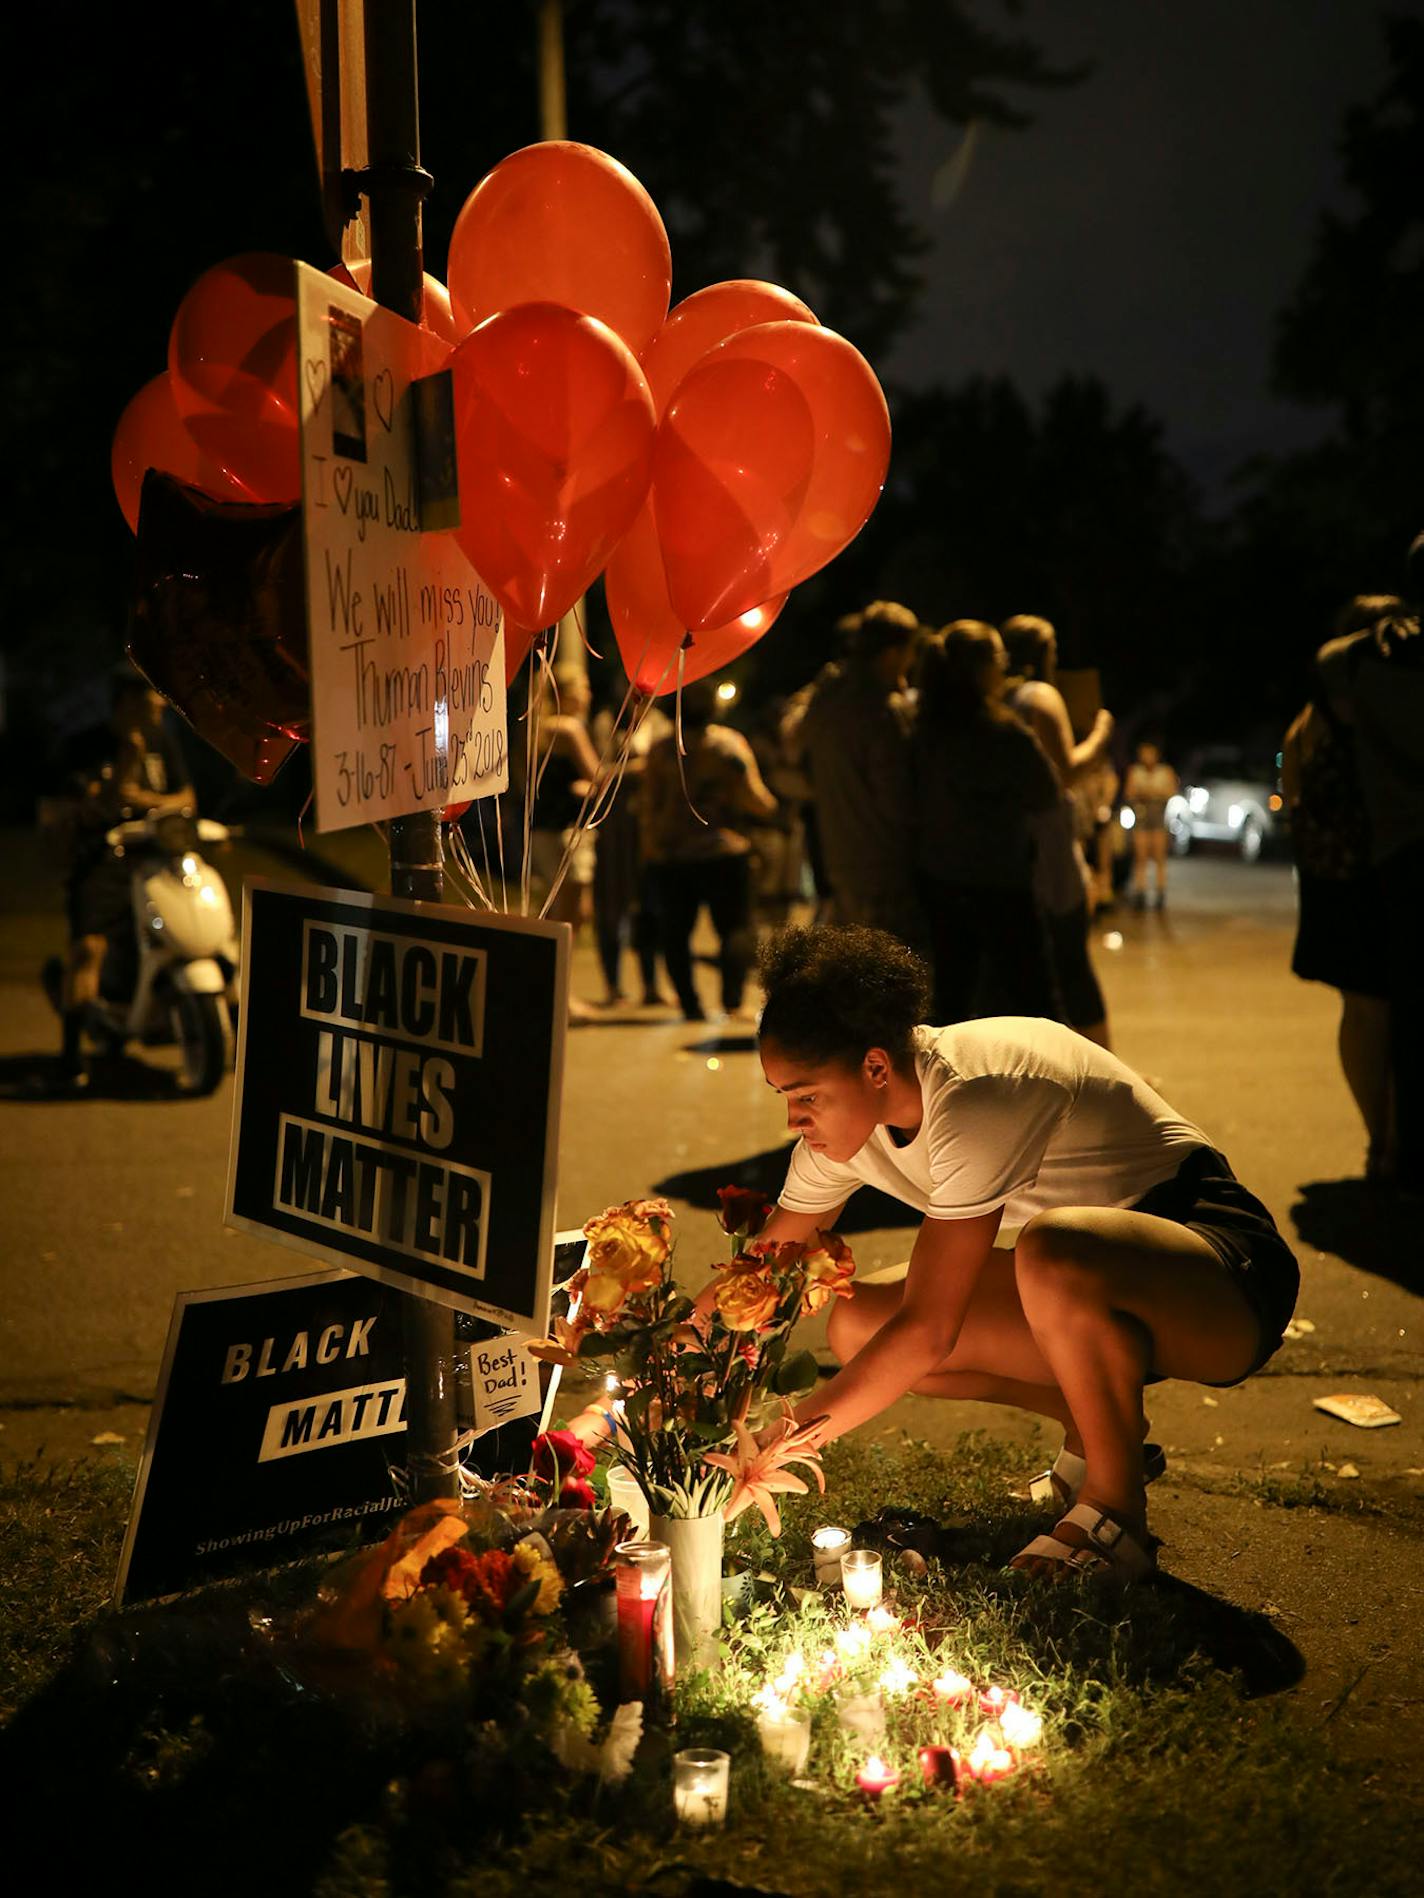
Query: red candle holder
x,y
993,1700
941,1767
875,1778
643,1572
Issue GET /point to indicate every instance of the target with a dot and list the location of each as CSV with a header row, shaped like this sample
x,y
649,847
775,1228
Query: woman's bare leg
x,y
1110,1297
1364,1057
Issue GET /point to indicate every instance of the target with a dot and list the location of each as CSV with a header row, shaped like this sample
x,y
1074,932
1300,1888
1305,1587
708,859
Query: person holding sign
x,y
1139,1256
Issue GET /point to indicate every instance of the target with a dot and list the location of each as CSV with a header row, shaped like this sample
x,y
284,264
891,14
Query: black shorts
x,y
1205,1196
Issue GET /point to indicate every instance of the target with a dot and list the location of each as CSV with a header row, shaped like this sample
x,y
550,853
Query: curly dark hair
x,y
833,993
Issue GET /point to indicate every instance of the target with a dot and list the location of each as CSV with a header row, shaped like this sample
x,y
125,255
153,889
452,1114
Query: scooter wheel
x,y
202,1045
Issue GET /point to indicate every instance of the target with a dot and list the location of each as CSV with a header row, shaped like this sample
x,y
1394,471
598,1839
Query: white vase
x,y
696,1545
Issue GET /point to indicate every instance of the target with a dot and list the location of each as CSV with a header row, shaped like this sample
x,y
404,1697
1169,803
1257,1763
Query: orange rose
x,y
626,1255
829,1270
747,1301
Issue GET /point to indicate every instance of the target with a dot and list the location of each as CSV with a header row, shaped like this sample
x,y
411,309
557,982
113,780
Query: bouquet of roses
x,y
702,1376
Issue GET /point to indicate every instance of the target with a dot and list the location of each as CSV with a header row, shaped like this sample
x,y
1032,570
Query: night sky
x,y
1154,218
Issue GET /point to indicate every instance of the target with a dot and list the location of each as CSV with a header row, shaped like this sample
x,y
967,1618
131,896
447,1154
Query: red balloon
x,y
232,355
562,223
150,434
554,431
649,632
442,315
452,813
709,317
731,470
770,458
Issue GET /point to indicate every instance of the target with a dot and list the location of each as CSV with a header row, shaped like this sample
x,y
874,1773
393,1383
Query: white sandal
x,y
1062,1481
1112,1551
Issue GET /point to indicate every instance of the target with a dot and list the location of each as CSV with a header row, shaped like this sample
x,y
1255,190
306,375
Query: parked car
x,y
1229,796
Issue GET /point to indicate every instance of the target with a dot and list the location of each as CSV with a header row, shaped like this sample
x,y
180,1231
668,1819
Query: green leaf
x,y
519,1604
798,1373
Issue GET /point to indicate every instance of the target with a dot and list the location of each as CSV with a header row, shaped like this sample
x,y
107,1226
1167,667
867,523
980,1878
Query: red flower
x,y
577,1494
488,1582
559,1453
743,1212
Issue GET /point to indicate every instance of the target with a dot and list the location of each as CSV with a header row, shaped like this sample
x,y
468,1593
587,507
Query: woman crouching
x,y
1139,1255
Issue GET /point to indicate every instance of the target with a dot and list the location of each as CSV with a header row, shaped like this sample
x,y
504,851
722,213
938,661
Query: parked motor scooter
x,y
176,977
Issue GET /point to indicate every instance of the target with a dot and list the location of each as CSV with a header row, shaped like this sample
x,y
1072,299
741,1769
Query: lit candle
x,y
861,1576
951,1686
988,1760
898,1677
1020,1726
785,1733
643,1572
827,1547
875,1777
994,1700
882,1620
852,1642
699,1786
940,1766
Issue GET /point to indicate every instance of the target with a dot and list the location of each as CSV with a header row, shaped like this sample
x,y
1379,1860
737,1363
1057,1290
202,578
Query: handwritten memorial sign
x,y
397,1104
278,1427
407,653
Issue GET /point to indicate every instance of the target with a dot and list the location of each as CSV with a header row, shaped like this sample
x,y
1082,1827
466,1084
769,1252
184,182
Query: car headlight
x,y
1198,797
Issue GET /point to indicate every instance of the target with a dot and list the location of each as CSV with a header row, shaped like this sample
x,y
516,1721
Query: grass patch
x,y
187,1746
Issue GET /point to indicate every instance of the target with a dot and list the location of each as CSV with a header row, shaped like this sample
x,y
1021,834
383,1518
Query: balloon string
x,y
531,745
311,794
499,845
681,747
598,798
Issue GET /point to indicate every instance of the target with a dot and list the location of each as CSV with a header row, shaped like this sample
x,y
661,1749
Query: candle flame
x,y
951,1685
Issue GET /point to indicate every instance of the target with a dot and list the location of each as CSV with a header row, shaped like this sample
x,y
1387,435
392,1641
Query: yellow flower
x,y
534,1565
626,1255
747,1301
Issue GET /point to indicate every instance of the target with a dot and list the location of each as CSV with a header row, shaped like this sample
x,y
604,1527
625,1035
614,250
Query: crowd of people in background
x,y
925,782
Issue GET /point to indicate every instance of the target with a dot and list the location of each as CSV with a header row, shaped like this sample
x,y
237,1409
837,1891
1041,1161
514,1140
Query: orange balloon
x,y
770,458
554,431
441,314
649,633
150,434
562,223
232,355
709,317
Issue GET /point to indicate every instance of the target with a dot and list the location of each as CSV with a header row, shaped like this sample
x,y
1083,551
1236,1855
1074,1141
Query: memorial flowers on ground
x,y
706,1381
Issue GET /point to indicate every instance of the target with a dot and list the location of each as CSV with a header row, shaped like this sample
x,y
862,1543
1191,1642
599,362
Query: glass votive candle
x,y
861,1714
699,1786
625,1492
643,1582
828,1545
861,1577
785,1735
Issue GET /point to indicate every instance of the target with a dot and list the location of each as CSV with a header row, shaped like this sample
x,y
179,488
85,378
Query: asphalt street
x,y
113,1203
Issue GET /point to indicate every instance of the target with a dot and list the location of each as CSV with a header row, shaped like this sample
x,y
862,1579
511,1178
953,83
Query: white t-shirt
x,y
1018,1112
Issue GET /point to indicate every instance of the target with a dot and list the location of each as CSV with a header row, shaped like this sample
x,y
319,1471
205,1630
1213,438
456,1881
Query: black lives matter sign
x,y
397,1105
280,1416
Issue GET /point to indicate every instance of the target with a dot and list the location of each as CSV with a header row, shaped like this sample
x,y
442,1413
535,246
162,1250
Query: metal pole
x,y
396,186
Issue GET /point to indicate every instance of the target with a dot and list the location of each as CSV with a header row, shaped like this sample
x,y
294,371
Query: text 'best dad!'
x,y
361,985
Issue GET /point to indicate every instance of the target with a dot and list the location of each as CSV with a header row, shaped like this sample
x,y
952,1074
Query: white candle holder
x,y
862,1577
828,1545
625,1492
785,1736
699,1786
862,1714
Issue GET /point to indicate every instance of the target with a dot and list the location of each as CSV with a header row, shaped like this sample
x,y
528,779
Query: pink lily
x,y
759,1472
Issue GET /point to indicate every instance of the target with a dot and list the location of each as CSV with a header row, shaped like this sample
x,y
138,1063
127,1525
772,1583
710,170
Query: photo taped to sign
x,y
399,1074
